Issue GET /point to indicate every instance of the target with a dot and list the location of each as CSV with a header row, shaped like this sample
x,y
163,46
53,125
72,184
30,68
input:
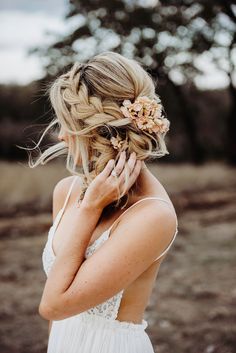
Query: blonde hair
x,y
87,101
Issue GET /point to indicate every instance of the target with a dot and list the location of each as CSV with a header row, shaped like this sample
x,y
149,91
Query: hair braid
x,y
87,101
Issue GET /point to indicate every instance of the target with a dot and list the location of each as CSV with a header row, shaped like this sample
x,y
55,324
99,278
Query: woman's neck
x,y
145,184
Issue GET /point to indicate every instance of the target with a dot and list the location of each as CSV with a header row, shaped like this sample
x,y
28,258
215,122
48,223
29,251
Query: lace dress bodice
x,y
108,309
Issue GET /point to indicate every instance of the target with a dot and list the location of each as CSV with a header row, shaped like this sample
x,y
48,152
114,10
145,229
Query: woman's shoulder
x,y
62,187
154,201
151,219
156,204
60,192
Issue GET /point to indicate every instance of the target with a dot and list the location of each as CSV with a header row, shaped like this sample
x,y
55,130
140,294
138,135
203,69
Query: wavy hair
x,y
87,101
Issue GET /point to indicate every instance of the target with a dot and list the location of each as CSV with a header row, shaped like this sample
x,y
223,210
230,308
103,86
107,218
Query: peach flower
x,y
146,114
118,143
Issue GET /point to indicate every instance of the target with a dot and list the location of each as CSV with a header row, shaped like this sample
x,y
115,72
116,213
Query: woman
x,y
113,221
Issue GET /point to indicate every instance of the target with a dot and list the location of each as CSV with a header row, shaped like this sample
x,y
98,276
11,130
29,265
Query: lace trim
x,y
47,255
98,242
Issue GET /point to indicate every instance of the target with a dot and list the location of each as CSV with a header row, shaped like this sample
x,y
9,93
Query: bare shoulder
x,y
59,193
157,212
152,220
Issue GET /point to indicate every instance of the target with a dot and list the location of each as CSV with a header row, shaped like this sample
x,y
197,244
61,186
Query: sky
x,y
29,23
24,25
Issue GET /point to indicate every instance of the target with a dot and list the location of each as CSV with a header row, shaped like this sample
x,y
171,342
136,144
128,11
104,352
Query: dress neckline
x,y
52,231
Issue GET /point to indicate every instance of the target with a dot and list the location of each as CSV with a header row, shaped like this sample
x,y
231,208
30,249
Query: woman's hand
x,y
105,188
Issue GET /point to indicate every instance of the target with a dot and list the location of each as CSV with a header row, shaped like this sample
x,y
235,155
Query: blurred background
x,y
189,49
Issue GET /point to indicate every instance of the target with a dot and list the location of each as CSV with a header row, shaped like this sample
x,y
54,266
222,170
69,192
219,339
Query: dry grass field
x,y
193,306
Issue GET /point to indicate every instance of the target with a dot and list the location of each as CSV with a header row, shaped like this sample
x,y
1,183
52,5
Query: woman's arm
x,y
69,257
129,251
59,194
79,224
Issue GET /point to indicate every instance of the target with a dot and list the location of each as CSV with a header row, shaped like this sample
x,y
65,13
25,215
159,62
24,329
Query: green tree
x,y
167,36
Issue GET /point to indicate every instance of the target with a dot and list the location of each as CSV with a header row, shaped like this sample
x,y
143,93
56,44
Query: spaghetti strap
x,y
65,203
145,198
168,247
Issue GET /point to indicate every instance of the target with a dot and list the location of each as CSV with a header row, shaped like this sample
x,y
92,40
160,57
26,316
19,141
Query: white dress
x,y
96,330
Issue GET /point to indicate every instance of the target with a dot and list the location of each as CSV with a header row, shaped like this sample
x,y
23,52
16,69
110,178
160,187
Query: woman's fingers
x,y
132,178
111,165
121,163
131,164
135,172
108,168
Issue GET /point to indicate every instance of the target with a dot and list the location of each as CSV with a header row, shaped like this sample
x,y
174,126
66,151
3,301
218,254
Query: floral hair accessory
x,y
146,114
118,143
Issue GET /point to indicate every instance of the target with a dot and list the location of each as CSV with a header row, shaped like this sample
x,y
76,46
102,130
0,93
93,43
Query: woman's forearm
x,y
70,256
